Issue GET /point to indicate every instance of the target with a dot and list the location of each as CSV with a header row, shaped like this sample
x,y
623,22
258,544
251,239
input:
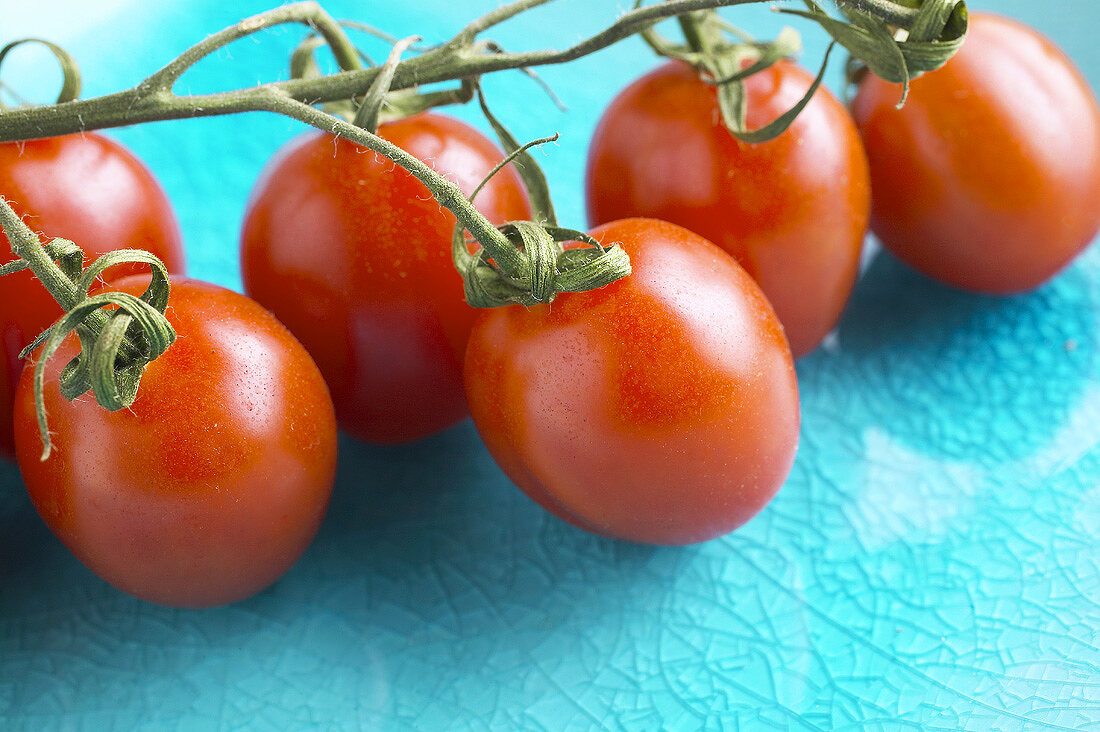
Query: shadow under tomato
x,y
958,375
443,501
429,559
437,521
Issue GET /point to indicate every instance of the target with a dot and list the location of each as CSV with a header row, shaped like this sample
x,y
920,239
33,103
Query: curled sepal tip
x,y
69,258
935,34
70,71
534,180
119,335
551,268
726,57
524,262
370,111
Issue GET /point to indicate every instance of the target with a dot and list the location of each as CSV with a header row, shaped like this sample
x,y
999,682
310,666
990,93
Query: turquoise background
x,y
932,562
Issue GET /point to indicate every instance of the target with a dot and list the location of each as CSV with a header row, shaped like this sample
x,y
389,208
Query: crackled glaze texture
x,y
931,563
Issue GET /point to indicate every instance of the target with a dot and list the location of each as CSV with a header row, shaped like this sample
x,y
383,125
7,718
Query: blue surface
x,y
932,562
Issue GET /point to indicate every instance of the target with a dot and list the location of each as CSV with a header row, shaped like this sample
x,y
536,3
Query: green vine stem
x,y
443,190
26,246
460,58
115,344
519,262
370,111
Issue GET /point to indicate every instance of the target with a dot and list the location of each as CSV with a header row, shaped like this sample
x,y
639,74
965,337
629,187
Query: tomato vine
x,y
520,262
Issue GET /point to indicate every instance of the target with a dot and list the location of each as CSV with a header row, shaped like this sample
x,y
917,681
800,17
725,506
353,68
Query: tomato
x,y
354,255
988,178
793,211
91,190
662,408
211,485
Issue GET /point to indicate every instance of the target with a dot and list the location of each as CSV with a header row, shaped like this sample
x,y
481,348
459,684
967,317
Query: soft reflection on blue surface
x,y
931,563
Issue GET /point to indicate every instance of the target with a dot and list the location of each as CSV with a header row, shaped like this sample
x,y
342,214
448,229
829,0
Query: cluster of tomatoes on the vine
x,y
661,408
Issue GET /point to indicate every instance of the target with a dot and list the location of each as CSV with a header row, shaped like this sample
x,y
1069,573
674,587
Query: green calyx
x,y
896,38
527,264
725,56
541,269
522,262
119,333
935,31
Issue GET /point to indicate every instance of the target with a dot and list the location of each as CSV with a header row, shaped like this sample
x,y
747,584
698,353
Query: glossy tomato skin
x,y
988,179
793,211
353,254
85,188
213,483
660,409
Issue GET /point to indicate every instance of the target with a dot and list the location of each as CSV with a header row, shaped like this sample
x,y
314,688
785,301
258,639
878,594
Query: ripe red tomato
x,y
662,408
793,211
988,178
354,255
87,188
213,483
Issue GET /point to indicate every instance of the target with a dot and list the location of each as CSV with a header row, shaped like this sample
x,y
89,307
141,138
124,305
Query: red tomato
x,y
354,255
91,190
988,178
662,408
213,483
793,211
